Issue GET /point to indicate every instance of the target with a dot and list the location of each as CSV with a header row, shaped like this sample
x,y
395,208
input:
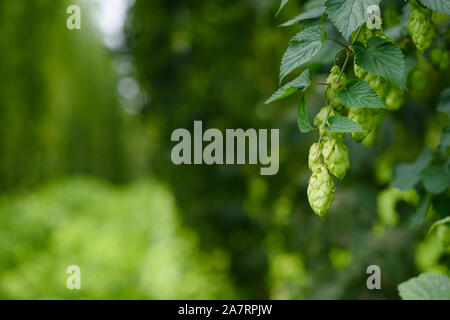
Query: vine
x,y
357,107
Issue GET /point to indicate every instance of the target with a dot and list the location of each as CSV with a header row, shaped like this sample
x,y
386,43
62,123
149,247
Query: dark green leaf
x,y
342,124
382,58
419,217
406,176
302,117
301,83
444,103
360,95
435,179
348,15
437,5
302,48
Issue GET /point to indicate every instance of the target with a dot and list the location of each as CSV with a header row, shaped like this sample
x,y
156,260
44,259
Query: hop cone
x,y
378,84
365,119
336,158
395,98
321,190
420,27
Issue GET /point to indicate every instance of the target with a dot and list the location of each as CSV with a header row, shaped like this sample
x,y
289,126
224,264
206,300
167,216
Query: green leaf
x,y
283,3
444,142
439,223
360,95
444,103
382,58
437,5
419,217
348,15
435,179
302,82
406,175
302,117
302,48
313,14
427,286
342,124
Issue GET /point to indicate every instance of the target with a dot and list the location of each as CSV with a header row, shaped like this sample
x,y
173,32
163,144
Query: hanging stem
x,y
336,87
337,41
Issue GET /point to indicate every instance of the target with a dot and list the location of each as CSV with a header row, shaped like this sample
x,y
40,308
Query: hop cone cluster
x,y
440,58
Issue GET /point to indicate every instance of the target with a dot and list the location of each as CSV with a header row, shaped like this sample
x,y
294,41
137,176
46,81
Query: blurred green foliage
x,y
189,231
127,241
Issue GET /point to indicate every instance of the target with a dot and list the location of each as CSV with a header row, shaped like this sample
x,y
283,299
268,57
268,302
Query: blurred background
x,y
86,177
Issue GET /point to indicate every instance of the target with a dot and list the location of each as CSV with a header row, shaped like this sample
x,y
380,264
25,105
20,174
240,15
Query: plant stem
x,y
336,87
337,53
337,41
323,83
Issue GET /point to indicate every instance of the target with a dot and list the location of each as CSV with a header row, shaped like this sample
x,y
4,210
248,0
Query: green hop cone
x,y
418,79
321,190
314,157
377,120
365,119
440,58
378,84
420,27
395,98
359,72
336,158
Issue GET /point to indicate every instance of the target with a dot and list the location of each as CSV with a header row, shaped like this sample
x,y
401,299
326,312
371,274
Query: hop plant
x,y
440,58
420,26
418,79
336,158
365,119
378,84
346,103
378,119
321,190
395,98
